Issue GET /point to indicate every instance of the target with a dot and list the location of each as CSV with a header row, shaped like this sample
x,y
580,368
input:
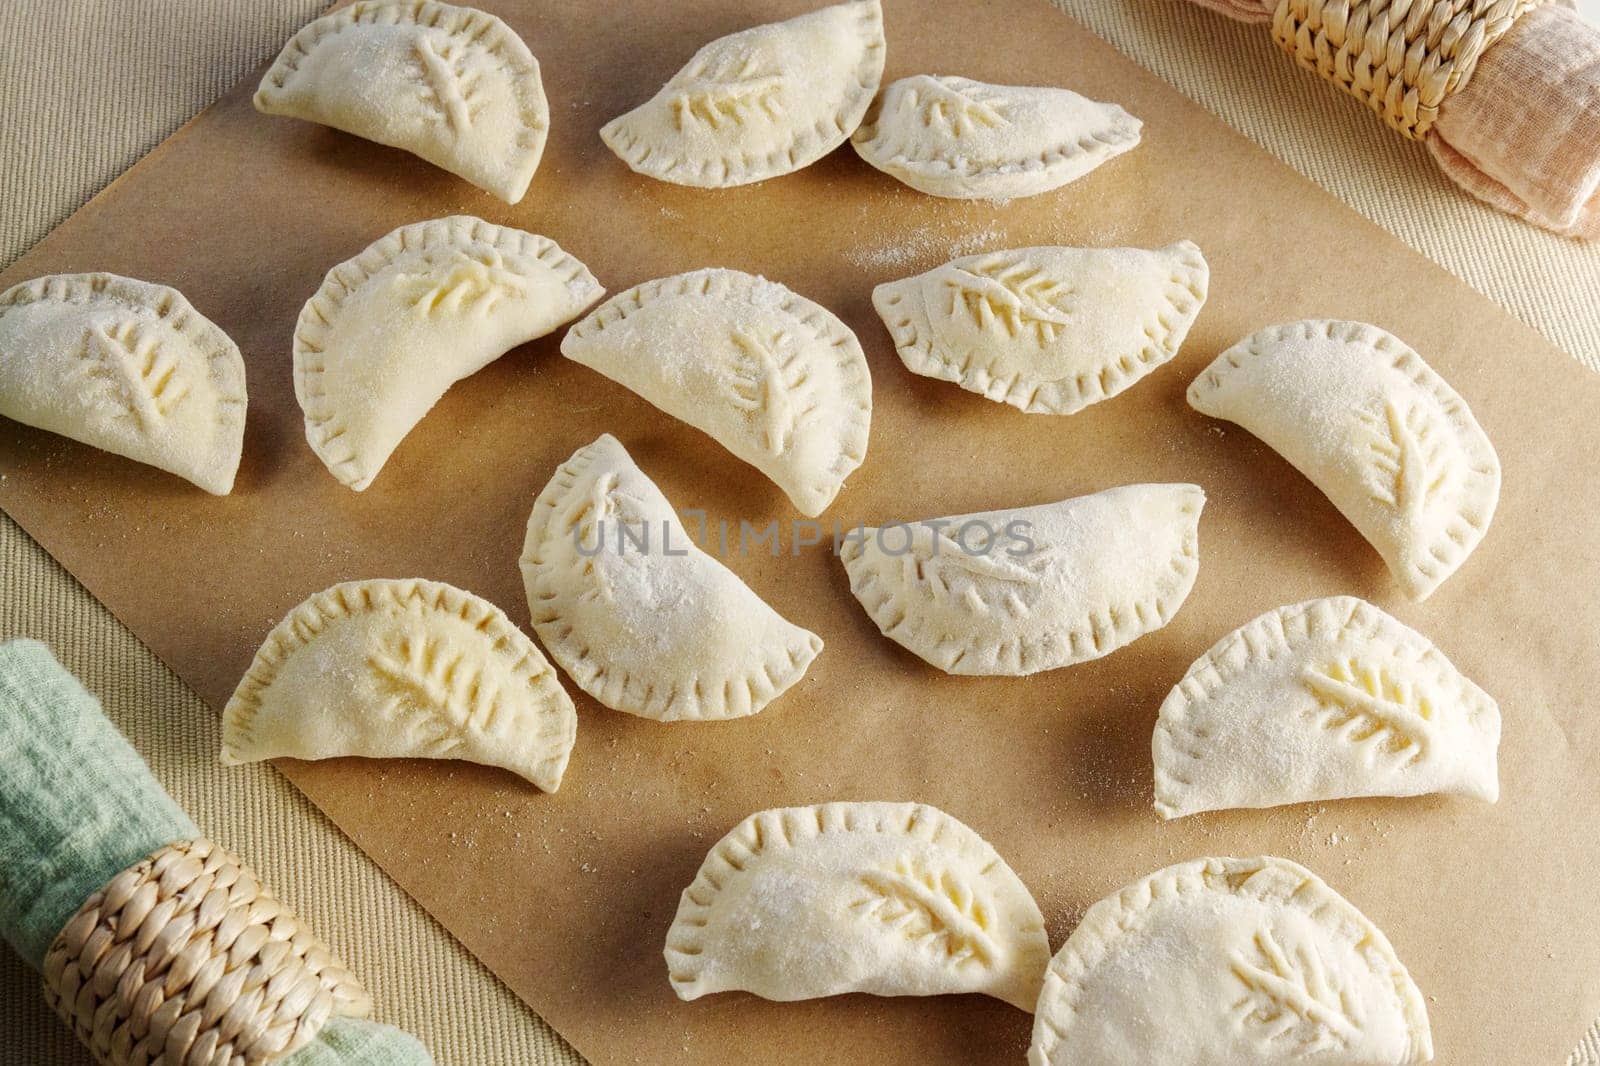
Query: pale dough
x,y
1034,588
1047,330
1322,701
453,85
402,669
894,899
778,380
966,139
1388,440
758,103
431,303
634,611
128,367
1228,962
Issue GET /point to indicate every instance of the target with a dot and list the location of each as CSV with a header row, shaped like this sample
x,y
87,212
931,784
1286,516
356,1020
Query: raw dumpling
x,y
1047,330
1035,588
453,85
969,140
1322,701
128,367
894,899
402,669
758,103
776,379
420,309
639,616
1360,414
1228,961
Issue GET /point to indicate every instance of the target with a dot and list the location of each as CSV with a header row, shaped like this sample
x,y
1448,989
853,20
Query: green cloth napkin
x,y
78,805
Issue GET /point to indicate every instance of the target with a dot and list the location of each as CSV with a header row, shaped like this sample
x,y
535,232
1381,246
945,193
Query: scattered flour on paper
x,y
926,244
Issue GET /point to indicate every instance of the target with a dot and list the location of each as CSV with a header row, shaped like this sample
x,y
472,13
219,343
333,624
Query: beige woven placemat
x,y
87,88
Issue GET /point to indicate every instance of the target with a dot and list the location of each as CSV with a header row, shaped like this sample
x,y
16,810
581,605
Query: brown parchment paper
x,y
568,897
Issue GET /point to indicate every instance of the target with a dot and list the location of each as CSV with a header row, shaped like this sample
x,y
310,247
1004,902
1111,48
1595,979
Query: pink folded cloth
x,y
1523,132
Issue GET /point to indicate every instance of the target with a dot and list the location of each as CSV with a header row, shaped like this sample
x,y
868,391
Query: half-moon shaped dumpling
x,y
1035,588
402,669
128,367
758,103
894,899
1047,330
453,85
1322,701
431,303
639,616
1360,414
776,379
969,140
1228,961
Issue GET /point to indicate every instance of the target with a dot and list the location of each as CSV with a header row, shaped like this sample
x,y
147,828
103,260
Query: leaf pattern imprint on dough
x,y
450,86
1010,295
1409,457
1372,704
932,907
471,286
1291,994
594,526
434,693
725,94
767,377
979,581
129,356
948,110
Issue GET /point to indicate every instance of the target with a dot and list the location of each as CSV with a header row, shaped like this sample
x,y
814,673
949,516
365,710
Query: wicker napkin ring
x,y
185,959
1403,58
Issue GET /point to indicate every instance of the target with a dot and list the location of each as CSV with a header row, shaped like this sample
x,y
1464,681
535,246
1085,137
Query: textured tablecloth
x,y
89,86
